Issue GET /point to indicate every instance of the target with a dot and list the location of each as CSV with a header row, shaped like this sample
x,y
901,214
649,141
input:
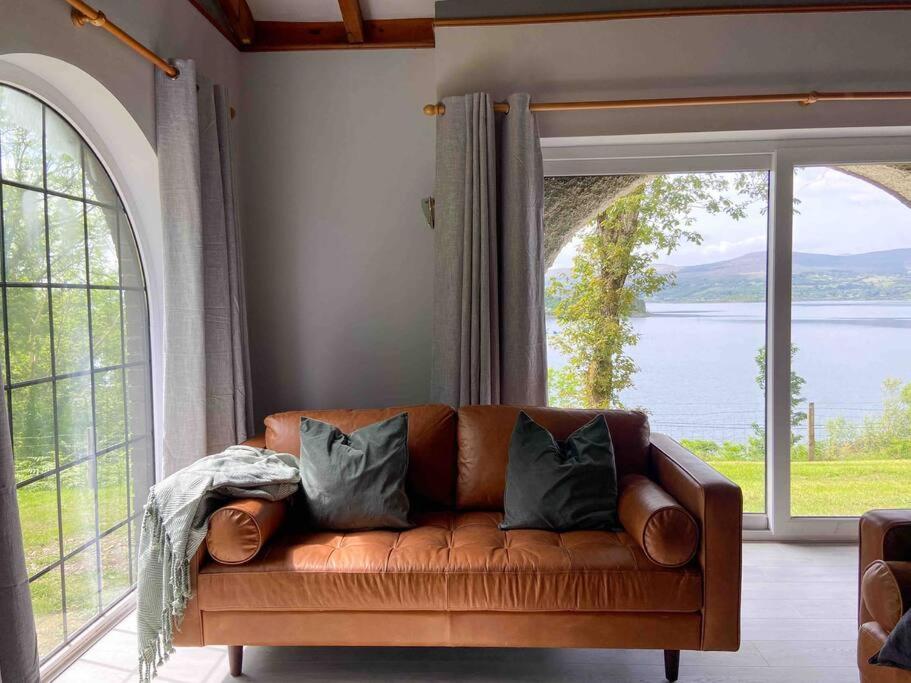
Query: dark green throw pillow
x,y
560,485
357,480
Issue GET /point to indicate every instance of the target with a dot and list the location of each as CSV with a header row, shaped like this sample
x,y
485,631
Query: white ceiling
x,y
327,10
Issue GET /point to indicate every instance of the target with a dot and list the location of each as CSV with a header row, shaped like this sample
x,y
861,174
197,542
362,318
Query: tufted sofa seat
x,y
452,561
669,579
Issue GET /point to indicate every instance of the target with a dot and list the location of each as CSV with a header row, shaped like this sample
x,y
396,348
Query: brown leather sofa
x,y
885,588
670,580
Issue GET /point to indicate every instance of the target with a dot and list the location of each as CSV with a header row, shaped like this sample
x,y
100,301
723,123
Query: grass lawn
x,y
843,488
38,513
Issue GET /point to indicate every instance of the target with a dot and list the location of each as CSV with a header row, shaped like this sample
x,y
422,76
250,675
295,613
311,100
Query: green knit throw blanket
x,y
174,526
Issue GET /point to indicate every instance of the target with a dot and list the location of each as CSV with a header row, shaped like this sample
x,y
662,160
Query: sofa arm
x,y
257,441
886,592
239,530
188,633
884,535
663,529
716,503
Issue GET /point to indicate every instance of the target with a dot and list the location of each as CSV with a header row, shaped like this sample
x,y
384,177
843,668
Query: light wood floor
x,y
799,624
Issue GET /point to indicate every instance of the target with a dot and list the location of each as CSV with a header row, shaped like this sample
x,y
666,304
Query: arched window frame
x,y
138,155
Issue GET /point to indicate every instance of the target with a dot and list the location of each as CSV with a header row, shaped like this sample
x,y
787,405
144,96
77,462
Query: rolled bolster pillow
x,y
240,529
256,441
886,592
666,532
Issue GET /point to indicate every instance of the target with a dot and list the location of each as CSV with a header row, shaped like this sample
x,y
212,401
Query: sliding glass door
x,y
762,315
656,301
851,339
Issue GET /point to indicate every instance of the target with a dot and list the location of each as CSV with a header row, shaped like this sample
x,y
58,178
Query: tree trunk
x,y
617,231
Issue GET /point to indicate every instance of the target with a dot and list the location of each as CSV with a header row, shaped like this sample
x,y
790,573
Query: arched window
x,y
75,359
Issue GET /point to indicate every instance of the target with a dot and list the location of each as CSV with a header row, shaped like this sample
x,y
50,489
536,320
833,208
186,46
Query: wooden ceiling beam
x,y
241,20
352,19
278,36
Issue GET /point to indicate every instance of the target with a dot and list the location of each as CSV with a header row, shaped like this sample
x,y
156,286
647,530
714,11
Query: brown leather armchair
x,y
884,588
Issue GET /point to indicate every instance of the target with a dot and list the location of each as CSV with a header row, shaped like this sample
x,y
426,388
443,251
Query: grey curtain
x,y
489,340
207,403
19,642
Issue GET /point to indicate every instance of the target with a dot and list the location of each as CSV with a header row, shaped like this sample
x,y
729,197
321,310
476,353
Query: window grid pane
x,y
120,236
71,336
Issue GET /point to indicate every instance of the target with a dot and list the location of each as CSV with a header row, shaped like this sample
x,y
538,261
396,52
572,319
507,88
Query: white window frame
x,y
779,154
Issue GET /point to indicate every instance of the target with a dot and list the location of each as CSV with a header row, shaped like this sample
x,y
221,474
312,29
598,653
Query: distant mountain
x,y
876,275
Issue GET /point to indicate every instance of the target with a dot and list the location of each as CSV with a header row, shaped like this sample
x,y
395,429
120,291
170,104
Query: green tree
x,y
888,435
884,436
798,417
616,265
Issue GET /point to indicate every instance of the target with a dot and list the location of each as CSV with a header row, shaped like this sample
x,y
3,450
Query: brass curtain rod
x,y
805,99
83,14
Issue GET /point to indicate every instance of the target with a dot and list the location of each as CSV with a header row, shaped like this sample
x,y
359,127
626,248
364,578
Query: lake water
x,y
697,373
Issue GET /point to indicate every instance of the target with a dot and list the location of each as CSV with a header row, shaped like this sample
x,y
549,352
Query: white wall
x,y
676,57
335,158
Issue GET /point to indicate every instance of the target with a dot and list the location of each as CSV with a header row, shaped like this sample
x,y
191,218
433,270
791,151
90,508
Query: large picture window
x,y
753,297
75,361
658,304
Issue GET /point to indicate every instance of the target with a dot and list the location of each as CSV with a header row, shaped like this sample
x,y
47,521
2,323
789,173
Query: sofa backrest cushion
x,y
483,446
431,444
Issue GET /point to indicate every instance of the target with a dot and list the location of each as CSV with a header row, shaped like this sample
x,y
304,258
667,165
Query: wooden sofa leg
x,y
671,664
235,659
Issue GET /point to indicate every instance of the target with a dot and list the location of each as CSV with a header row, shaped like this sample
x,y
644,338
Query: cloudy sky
x,y
837,214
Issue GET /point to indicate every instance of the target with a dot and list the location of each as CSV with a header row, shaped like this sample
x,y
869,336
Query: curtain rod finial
x,y
80,19
435,109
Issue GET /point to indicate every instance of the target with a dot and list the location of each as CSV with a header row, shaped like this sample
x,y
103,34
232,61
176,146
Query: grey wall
x,y
681,57
335,158
172,28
